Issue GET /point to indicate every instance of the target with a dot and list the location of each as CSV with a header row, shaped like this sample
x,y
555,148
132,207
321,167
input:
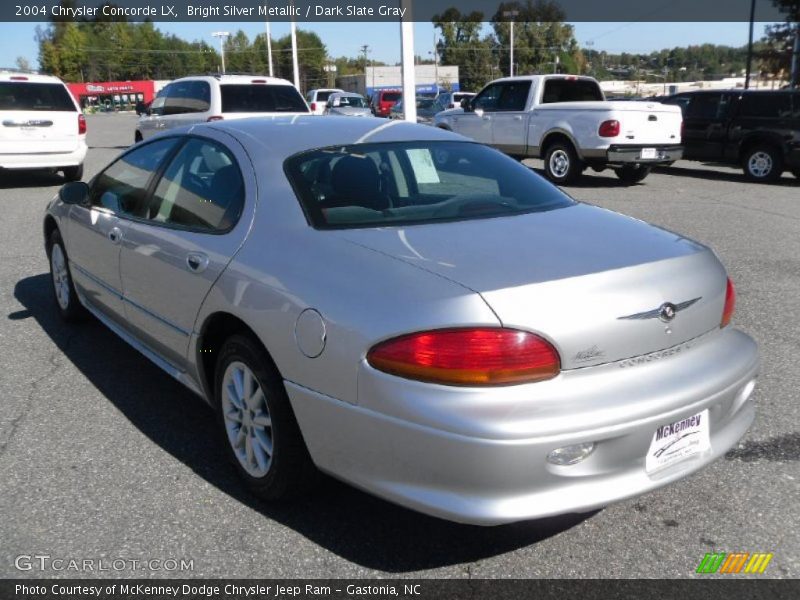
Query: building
x,y
112,94
381,78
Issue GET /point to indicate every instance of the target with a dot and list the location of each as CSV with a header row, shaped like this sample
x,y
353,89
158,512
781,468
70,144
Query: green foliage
x,y
461,44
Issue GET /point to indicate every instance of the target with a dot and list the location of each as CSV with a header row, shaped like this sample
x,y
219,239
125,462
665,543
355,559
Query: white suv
x,y
41,125
318,99
197,99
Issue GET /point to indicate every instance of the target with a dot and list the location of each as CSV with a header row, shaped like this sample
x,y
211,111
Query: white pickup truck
x,y
567,121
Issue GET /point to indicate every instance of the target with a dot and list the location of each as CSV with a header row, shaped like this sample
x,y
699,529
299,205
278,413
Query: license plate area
x,y
675,442
648,153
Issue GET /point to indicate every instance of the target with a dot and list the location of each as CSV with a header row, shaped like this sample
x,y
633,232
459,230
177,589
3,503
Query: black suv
x,y
759,130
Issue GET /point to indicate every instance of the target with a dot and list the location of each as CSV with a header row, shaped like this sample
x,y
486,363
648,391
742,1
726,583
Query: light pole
x,y
269,48
435,65
295,66
512,14
222,35
330,69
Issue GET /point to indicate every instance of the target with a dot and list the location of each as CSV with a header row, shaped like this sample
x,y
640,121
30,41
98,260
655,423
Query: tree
x,y
461,44
778,47
22,63
543,43
312,57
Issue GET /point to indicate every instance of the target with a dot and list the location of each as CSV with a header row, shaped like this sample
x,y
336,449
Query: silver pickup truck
x,y
567,121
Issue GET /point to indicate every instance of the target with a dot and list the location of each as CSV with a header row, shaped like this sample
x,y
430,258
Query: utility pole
x,y
407,57
269,48
512,14
795,82
365,52
435,65
295,67
750,45
221,35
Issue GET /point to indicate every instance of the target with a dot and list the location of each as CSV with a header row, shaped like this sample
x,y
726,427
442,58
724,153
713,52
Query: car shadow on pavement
x,y
735,176
347,522
29,179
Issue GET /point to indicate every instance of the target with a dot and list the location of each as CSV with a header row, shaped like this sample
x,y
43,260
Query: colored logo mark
x,y
734,562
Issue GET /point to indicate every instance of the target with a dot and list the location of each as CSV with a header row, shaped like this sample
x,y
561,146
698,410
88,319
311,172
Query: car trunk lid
x,y
589,280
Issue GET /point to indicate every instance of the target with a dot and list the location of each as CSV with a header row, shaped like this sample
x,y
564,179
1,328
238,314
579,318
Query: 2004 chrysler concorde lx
x,y
411,312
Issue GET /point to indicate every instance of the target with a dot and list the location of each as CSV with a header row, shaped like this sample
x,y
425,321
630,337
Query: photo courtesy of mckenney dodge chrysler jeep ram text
x,y
412,312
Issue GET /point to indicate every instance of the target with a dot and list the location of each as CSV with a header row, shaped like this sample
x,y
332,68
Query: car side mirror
x,y
74,192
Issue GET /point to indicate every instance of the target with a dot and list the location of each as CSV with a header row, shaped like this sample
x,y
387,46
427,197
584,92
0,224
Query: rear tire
x,y
762,163
137,138
73,173
561,163
257,424
69,307
632,174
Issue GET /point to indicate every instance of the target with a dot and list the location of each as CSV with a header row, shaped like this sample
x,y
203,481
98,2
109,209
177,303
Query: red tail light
x,y
609,128
214,118
313,106
730,304
471,356
81,124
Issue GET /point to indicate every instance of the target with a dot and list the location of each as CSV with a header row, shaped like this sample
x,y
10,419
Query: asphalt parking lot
x,y
104,456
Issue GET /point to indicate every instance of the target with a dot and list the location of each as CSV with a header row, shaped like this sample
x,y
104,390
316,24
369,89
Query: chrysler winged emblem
x,y
666,312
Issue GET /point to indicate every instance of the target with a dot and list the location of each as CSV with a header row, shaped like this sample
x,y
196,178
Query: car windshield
x,y
258,98
35,96
394,183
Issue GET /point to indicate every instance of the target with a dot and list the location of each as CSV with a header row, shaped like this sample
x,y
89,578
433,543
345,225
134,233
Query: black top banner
x,y
391,10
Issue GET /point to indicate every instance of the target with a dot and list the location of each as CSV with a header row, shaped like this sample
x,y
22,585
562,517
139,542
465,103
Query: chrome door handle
x,y
518,117
115,235
197,262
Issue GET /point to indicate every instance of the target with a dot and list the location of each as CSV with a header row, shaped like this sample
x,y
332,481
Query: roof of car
x,y
11,75
286,136
226,79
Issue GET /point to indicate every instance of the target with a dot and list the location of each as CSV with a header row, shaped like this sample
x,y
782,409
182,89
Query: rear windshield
x,y
352,102
399,183
323,96
258,98
35,96
571,90
391,96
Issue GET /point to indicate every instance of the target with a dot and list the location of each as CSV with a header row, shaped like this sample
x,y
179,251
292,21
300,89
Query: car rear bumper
x,y
44,160
479,456
633,154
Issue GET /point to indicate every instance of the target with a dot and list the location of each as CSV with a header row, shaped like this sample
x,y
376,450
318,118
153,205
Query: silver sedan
x,y
408,311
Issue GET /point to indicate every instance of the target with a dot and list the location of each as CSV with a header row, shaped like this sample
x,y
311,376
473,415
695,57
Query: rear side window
x,y
571,90
188,97
202,189
766,105
391,96
708,106
399,183
258,98
35,96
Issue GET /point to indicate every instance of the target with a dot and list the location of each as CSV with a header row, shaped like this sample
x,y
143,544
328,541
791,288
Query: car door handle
x,y
115,235
487,118
197,262
518,117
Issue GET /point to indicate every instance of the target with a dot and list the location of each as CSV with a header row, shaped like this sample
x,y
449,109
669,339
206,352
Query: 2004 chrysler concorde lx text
x,y
409,311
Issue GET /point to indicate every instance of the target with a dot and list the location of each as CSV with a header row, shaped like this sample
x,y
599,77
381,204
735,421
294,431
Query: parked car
x,y
383,101
450,100
410,311
318,99
758,130
198,99
566,120
42,125
426,110
347,104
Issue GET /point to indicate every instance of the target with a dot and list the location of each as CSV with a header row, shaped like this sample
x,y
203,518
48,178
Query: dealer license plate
x,y
648,153
678,441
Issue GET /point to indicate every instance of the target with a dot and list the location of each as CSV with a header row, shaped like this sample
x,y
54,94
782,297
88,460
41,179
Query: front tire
x,y
257,424
561,163
632,174
762,163
69,307
73,173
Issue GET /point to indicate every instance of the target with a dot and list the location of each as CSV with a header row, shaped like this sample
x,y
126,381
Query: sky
x,y
383,39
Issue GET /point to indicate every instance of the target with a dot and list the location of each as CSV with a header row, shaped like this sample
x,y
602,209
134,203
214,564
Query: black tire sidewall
x,y
73,173
290,460
74,310
572,170
777,163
